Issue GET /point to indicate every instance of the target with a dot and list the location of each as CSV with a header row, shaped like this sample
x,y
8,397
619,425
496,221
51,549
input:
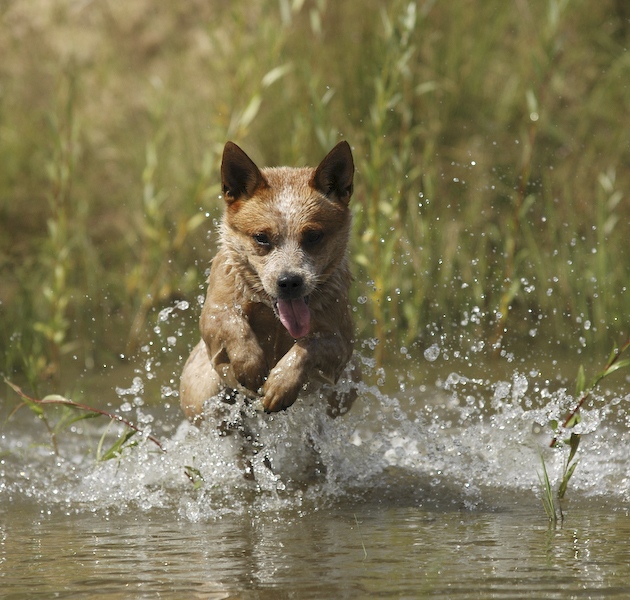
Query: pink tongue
x,y
295,316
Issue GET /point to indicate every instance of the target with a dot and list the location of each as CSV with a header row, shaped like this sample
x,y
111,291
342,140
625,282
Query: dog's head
x,y
288,227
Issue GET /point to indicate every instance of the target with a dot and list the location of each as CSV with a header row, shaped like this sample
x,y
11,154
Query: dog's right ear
x,y
240,177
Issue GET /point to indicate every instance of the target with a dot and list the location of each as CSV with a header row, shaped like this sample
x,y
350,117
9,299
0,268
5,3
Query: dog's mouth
x,y
295,315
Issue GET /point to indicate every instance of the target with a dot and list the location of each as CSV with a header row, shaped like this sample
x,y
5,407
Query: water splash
x,y
461,439
465,443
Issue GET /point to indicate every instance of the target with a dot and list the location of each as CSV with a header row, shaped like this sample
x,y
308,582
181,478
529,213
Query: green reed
x,y
62,280
522,199
570,445
387,142
487,142
72,412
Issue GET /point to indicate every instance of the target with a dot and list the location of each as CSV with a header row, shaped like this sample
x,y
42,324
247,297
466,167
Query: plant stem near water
x,y
583,393
89,411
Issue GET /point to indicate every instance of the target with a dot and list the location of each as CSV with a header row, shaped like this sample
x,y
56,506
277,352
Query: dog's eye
x,y
262,239
310,238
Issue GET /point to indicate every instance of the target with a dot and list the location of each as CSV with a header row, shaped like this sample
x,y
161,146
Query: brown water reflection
x,y
360,551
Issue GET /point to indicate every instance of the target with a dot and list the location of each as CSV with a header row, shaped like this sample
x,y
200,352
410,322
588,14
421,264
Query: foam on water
x,y
463,443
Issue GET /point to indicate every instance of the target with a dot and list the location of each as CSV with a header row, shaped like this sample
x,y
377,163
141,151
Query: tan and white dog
x,y
277,313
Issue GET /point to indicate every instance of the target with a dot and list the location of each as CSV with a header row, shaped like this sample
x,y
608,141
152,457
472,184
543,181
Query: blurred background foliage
x,y
491,141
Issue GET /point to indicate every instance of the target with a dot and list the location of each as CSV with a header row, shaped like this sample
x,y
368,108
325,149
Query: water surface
x,y
429,487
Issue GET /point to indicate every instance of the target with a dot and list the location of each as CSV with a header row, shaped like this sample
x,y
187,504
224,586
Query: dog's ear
x,y
333,176
240,177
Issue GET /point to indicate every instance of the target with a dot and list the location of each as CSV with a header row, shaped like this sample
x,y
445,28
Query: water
x,y
409,552
429,487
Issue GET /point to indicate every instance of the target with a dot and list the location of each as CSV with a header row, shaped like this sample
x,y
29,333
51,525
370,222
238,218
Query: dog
x,y
276,315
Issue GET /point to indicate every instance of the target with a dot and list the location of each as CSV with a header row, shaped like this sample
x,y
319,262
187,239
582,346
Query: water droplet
x,y
432,352
136,389
165,313
520,385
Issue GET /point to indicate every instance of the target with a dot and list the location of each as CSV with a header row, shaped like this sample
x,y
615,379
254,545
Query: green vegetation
x,y
72,412
489,141
583,392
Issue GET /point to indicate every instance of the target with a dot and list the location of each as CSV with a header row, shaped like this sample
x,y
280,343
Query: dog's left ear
x,y
333,176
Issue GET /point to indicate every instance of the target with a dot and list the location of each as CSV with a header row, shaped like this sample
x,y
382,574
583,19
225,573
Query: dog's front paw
x,y
247,368
280,390
250,370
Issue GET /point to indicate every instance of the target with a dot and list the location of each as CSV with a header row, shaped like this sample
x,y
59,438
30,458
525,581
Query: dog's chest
x,y
272,336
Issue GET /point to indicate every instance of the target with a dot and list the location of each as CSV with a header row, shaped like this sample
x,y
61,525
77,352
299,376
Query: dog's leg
x,y
321,357
341,401
199,382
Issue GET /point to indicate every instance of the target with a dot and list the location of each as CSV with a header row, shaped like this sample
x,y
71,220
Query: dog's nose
x,y
290,285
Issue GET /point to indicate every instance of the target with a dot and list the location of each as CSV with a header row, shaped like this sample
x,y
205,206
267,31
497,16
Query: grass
x,y
486,136
569,445
74,412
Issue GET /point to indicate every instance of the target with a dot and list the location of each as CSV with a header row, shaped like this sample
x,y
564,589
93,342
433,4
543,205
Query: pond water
x,y
429,487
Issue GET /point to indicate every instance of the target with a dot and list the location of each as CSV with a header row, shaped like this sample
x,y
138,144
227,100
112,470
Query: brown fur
x,y
284,238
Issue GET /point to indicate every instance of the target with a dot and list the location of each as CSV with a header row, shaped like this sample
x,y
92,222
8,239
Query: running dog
x,y
276,315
